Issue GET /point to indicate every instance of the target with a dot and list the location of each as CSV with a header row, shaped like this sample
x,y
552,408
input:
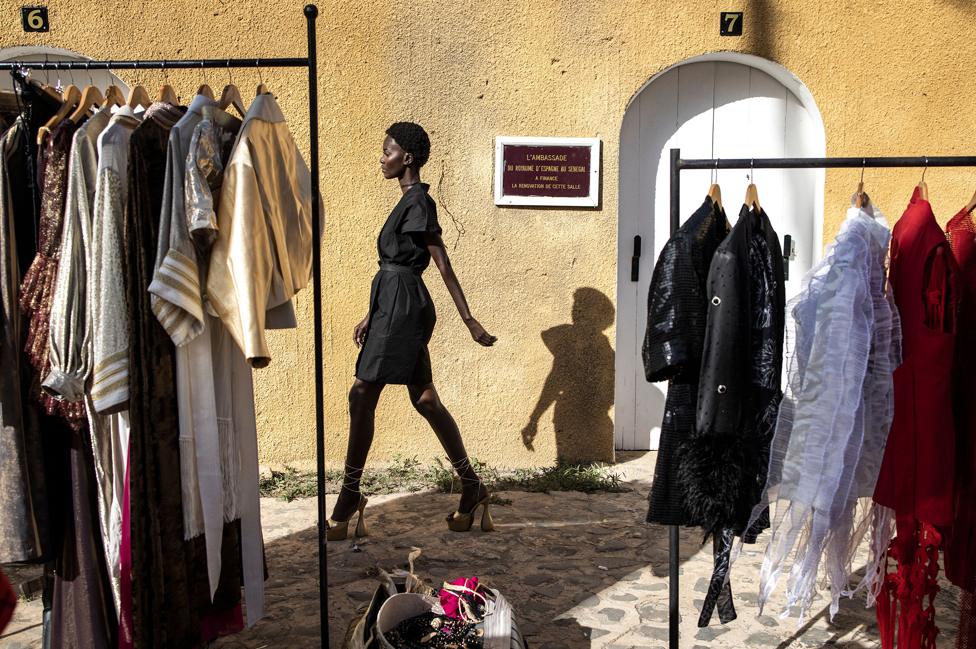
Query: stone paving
x,y
581,571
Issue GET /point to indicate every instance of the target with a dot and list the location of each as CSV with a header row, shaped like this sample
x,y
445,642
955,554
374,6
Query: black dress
x,y
402,315
677,309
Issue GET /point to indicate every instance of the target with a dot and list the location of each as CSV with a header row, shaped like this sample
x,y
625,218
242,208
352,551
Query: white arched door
x,y
737,107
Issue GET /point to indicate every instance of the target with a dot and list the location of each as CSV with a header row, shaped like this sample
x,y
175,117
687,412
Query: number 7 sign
x,y
731,24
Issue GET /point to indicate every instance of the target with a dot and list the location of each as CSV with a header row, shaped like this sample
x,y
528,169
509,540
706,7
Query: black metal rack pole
x,y
309,62
824,163
677,165
311,13
157,65
674,617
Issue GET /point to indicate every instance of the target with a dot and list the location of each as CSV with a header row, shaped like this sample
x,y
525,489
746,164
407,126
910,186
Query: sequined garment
x,y
723,463
37,288
676,312
70,337
110,340
433,631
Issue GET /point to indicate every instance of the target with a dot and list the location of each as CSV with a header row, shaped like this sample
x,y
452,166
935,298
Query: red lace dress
x,y
37,287
917,477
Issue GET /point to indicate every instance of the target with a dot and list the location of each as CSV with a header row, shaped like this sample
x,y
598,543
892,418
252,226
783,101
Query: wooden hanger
x,y
923,188
204,88
71,98
138,97
752,193
166,92
261,89
168,95
715,192
92,96
752,197
231,96
113,97
861,199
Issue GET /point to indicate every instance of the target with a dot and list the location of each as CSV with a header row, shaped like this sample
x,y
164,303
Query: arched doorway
x,y
722,105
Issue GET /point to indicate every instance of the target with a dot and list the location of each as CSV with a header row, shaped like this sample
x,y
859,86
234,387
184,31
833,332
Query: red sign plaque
x,y
562,171
547,171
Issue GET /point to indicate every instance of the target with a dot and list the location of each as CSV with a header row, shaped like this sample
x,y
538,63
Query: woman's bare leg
x,y
363,397
427,402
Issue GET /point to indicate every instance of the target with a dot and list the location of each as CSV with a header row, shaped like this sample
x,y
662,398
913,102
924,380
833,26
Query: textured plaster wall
x,y
888,77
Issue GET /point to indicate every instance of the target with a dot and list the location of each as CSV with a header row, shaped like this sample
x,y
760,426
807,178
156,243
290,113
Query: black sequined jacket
x,y
677,311
723,464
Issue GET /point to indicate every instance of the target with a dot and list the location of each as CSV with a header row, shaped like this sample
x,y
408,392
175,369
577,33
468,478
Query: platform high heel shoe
x,y
339,530
462,521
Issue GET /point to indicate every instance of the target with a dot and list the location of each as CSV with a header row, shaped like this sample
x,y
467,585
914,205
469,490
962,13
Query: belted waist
x,y
400,268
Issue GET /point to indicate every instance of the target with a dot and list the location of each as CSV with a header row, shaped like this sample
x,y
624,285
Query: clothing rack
x,y
310,62
678,164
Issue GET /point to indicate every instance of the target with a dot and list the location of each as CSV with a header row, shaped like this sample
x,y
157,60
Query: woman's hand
x,y
479,334
359,332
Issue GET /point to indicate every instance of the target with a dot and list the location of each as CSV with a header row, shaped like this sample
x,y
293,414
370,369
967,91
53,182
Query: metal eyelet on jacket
x,y
716,300
722,389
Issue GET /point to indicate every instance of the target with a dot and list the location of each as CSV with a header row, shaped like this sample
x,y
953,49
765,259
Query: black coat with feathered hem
x,y
723,465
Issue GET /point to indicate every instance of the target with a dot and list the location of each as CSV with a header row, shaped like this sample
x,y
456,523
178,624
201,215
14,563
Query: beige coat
x,y
263,253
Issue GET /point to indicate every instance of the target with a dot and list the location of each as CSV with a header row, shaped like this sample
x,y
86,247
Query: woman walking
x,y
394,334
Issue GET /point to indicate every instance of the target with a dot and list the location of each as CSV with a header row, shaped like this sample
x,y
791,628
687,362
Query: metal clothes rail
x,y
678,164
310,62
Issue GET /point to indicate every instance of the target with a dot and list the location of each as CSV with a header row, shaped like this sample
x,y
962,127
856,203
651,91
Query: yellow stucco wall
x,y
888,77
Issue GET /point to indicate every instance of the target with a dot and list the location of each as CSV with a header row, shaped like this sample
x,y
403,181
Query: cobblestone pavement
x,y
581,571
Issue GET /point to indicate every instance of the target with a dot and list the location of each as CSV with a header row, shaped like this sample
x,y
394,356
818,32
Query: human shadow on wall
x,y
580,384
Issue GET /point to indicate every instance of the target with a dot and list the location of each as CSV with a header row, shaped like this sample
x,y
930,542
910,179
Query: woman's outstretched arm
x,y
435,245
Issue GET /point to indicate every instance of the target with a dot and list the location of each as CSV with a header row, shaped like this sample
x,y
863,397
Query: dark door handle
x,y
789,254
635,260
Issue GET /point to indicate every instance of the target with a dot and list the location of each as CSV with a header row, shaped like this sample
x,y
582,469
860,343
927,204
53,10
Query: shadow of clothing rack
x,y
678,164
310,63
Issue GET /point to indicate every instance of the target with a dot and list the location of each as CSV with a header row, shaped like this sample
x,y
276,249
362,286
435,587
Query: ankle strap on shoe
x,y
462,464
351,474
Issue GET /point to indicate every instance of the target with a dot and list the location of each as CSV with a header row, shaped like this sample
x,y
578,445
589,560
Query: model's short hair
x,y
413,139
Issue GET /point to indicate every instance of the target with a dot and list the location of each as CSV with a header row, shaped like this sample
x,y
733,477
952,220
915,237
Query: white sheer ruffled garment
x,y
843,343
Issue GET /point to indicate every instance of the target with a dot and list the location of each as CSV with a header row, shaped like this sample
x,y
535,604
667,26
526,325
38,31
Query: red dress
x,y
960,552
8,602
917,473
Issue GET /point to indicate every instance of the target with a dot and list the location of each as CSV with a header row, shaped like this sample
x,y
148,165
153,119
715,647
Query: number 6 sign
x,y
35,19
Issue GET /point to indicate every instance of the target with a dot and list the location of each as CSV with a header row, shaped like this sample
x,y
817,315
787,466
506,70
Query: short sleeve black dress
x,y
402,315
